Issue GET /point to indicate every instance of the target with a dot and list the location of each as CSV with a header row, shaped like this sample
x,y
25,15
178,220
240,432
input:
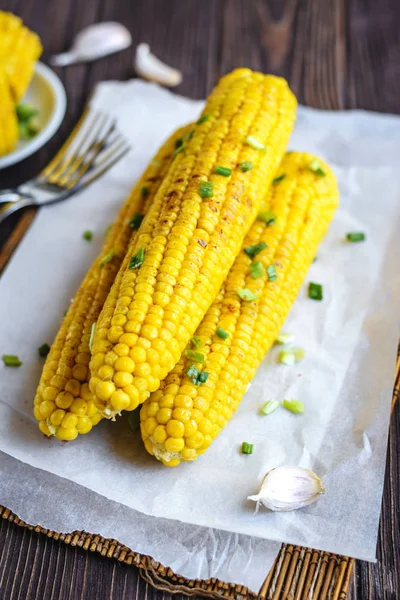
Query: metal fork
x,y
92,148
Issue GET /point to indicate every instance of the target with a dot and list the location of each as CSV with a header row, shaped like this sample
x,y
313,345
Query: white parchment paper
x,y
196,518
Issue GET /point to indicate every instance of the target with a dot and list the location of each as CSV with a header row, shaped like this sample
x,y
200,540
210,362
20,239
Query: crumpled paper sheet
x,y
106,483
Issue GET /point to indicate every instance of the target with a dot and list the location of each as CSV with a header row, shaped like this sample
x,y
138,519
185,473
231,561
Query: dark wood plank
x,y
336,54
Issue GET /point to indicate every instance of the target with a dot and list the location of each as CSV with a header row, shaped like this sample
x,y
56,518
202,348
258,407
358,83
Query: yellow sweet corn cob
x,y
20,48
181,419
8,117
63,404
190,237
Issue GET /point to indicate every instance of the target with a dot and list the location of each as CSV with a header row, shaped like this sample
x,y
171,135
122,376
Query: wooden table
x,y
336,55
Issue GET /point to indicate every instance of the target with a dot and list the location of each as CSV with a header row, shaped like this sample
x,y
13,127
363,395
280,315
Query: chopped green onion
x,y
278,179
315,259
271,272
294,406
144,191
179,143
252,251
292,356
92,332
245,166
247,448
355,237
202,378
285,338
136,221
188,136
195,356
87,235
179,149
225,171
246,294
107,258
203,119
25,112
206,189
255,143
222,333
196,341
267,216
10,360
137,260
315,167
315,291
26,130
134,419
256,269
43,350
269,407
107,230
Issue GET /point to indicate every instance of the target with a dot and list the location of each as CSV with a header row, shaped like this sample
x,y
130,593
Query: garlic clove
x,y
148,66
288,488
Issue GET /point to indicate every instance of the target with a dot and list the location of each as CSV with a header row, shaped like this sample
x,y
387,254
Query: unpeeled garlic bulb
x,y
288,488
148,66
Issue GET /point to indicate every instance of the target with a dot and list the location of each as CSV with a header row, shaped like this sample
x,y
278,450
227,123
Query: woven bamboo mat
x,y
297,574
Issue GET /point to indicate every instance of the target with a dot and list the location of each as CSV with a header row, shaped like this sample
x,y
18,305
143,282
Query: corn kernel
x,y
175,429
79,407
159,434
138,355
181,414
119,400
104,389
188,454
195,441
190,428
151,424
80,372
57,417
122,379
124,363
46,408
105,373
174,445
73,386
84,425
44,429
164,415
66,435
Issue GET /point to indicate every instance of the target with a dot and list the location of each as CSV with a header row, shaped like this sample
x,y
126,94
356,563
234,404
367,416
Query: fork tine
x,y
105,164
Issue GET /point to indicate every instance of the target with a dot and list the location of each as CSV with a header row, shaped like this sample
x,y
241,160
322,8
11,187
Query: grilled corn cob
x,y
189,239
181,419
20,48
8,117
63,404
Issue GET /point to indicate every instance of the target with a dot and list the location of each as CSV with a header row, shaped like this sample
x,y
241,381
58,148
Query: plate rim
x,y
53,124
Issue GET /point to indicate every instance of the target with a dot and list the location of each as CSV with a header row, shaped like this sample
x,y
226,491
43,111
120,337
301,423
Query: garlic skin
x,y
148,66
288,488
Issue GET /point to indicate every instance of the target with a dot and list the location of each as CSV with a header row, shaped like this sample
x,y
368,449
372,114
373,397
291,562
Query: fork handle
x,y
11,207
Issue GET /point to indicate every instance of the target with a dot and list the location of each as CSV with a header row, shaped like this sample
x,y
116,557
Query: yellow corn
x,y
20,48
189,238
63,404
8,117
180,420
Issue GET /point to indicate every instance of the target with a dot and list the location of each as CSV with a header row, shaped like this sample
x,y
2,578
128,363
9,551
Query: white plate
x,y
47,94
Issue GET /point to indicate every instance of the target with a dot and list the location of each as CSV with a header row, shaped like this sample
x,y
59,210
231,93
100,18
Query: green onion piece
x,y
134,419
107,230
136,221
267,216
292,356
221,333
107,258
193,373
285,338
87,235
294,406
247,448
269,407
179,149
245,166
43,350
246,294
225,171
25,112
271,272
255,143
315,167
355,237
26,130
92,331
10,360
179,143
315,259
137,260
196,341
206,189
256,269
195,356
278,179
252,251
203,119
202,378
315,291
188,136
144,191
